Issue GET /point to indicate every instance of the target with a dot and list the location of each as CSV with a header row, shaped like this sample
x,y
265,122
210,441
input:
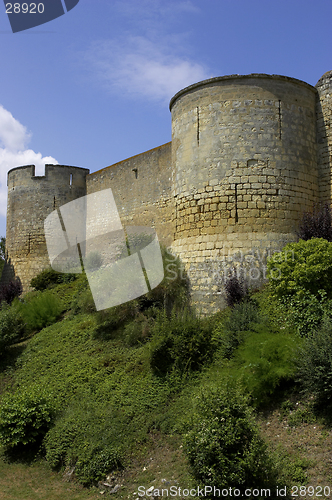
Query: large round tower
x,y
324,135
244,168
31,199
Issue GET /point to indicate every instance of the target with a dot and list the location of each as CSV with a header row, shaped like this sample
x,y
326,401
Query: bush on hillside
x,y
136,317
9,291
316,224
11,326
49,278
41,310
223,445
304,312
182,342
25,417
232,331
301,267
314,364
236,289
265,362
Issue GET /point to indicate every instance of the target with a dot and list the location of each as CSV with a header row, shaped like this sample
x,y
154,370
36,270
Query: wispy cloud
x,y
141,67
149,55
14,138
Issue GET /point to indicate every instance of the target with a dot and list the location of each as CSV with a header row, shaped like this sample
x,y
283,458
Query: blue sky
x,y
92,87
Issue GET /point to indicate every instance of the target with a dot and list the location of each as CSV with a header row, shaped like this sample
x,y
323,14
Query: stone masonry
x,y
248,155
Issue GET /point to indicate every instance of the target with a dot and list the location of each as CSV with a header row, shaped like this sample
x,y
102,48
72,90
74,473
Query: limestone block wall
x,y
324,134
248,155
244,169
142,189
30,199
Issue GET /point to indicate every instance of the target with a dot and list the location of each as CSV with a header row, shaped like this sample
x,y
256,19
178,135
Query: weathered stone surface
x,y
248,155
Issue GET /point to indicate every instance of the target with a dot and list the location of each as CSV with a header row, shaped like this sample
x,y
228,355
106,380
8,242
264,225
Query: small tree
x,y
2,253
223,445
316,224
236,289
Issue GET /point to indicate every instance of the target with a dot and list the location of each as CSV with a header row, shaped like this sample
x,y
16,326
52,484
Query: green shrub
x,y
41,310
25,417
232,331
301,267
138,331
266,360
97,465
11,326
173,292
223,445
314,364
182,342
304,312
49,277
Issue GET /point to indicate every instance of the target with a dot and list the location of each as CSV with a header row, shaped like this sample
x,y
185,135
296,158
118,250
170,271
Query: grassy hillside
x,y
144,393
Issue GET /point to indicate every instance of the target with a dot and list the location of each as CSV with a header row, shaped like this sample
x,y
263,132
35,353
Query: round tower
x,y
324,135
244,169
31,199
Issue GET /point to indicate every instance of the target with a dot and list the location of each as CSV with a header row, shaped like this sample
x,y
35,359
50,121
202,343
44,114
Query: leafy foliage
x,y
47,278
25,417
265,361
11,326
232,331
182,342
2,253
9,291
314,364
41,310
223,446
300,267
236,289
316,224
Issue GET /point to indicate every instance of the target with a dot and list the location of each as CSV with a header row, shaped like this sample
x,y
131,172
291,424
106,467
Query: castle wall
x,y
244,169
324,135
30,199
248,155
141,187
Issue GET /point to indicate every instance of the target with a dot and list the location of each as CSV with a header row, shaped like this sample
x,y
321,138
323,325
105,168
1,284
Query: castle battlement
x,y
249,154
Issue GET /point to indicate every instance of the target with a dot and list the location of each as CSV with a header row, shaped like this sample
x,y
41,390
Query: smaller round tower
x,y
31,199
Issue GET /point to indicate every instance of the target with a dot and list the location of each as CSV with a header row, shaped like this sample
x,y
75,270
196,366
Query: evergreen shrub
x,y
232,331
11,326
314,364
41,310
49,277
25,417
9,291
182,342
223,446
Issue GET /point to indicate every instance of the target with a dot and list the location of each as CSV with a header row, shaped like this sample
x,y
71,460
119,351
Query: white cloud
x,y
14,138
141,67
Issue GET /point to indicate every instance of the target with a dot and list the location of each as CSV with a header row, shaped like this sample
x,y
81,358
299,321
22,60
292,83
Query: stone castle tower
x,y
248,155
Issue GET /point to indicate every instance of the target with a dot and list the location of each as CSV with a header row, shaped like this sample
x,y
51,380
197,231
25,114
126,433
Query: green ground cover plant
x,y
118,376
223,444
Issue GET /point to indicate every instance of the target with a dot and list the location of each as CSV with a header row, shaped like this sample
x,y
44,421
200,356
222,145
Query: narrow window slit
x,y
197,125
236,214
279,118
